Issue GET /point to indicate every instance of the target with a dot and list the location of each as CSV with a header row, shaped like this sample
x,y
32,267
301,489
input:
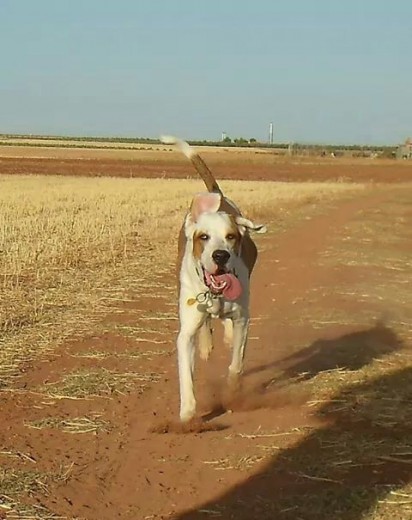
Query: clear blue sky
x,y
337,71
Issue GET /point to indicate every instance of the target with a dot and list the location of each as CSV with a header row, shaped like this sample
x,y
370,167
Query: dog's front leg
x,y
240,332
190,322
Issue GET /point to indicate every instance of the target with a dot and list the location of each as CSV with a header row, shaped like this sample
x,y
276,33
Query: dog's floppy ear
x,y
204,203
246,224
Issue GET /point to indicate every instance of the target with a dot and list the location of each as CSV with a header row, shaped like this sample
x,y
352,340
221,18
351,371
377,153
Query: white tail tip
x,y
182,145
168,139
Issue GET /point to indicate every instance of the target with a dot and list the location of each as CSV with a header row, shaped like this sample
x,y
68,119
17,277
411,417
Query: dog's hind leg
x,y
228,332
240,332
205,339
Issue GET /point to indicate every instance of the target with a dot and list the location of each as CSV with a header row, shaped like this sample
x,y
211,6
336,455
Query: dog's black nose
x,y
220,256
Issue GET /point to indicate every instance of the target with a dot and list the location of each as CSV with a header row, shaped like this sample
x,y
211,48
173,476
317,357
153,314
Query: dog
x,y
216,256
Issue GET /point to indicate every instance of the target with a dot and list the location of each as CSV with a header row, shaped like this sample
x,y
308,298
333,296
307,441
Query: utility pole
x,y
270,133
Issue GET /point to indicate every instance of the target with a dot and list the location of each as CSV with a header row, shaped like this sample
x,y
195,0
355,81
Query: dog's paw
x,y
234,383
187,414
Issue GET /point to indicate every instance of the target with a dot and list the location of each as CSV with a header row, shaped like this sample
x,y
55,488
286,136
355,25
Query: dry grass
x,y
69,246
89,424
243,463
71,149
18,455
15,484
319,317
377,243
127,354
98,383
73,223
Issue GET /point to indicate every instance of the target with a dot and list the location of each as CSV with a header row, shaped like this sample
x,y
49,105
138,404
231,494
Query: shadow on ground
x,y
274,384
351,352
345,469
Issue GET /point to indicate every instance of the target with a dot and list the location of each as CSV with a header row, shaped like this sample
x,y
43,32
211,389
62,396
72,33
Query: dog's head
x,y
215,236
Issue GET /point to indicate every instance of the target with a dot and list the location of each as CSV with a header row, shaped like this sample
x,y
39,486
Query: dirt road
x,y
144,466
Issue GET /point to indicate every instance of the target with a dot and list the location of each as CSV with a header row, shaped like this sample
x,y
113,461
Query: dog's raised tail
x,y
199,164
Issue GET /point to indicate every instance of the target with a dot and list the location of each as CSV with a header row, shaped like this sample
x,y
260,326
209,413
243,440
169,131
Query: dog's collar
x,y
205,298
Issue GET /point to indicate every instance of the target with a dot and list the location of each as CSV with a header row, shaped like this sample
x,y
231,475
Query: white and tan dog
x,y
216,258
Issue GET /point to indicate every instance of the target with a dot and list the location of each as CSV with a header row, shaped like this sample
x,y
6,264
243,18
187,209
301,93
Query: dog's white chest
x,y
214,307
221,308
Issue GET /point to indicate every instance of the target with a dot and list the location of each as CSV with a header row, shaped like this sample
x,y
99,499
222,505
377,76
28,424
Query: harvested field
x,y
64,241
151,161
321,426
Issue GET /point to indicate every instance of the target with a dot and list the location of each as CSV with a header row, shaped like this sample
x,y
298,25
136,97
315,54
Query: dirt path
x,y
144,467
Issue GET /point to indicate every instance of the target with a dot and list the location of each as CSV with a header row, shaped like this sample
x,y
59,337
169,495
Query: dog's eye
x,y
204,237
230,236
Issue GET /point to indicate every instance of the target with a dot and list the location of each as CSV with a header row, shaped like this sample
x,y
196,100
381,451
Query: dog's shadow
x,y
272,380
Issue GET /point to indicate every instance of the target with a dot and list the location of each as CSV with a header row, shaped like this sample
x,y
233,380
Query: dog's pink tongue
x,y
233,288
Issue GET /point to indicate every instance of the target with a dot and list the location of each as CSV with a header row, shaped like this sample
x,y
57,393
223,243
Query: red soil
x,y
149,466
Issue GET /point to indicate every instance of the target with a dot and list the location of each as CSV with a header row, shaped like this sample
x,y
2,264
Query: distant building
x,y
404,150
